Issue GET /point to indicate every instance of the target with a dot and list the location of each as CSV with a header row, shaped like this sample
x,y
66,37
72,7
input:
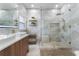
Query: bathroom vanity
x,y
14,45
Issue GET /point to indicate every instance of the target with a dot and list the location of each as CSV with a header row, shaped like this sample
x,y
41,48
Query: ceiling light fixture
x,y
32,5
16,5
56,6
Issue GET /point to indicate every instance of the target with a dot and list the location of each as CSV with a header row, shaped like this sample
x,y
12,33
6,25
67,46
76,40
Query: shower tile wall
x,y
72,19
48,16
43,17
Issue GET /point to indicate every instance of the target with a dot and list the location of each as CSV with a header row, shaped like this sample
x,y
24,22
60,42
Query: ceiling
x,y
5,6
29,5
43,5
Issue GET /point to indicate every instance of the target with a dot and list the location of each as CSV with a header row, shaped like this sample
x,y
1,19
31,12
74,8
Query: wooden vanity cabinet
x,y
19,48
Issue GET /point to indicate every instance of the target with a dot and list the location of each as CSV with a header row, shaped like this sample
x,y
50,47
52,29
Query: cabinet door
x,y
5,52
15,49
19,48
24,46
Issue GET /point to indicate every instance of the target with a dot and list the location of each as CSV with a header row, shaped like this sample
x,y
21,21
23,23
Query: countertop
x,y
11,39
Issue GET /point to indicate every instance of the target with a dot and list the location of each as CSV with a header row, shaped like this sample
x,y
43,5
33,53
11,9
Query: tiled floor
x,y
34,50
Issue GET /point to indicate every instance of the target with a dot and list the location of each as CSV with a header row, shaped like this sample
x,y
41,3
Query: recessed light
x,y
56,6
32,5
16,5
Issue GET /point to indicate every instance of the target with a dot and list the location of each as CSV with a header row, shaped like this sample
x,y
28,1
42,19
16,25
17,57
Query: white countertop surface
x,y
6,41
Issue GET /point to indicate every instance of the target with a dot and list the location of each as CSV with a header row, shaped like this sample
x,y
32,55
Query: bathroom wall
x,y
34,29
72,25
49,16
22,18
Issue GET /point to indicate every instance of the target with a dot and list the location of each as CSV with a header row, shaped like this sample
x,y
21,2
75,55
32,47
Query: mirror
x,y
8,17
